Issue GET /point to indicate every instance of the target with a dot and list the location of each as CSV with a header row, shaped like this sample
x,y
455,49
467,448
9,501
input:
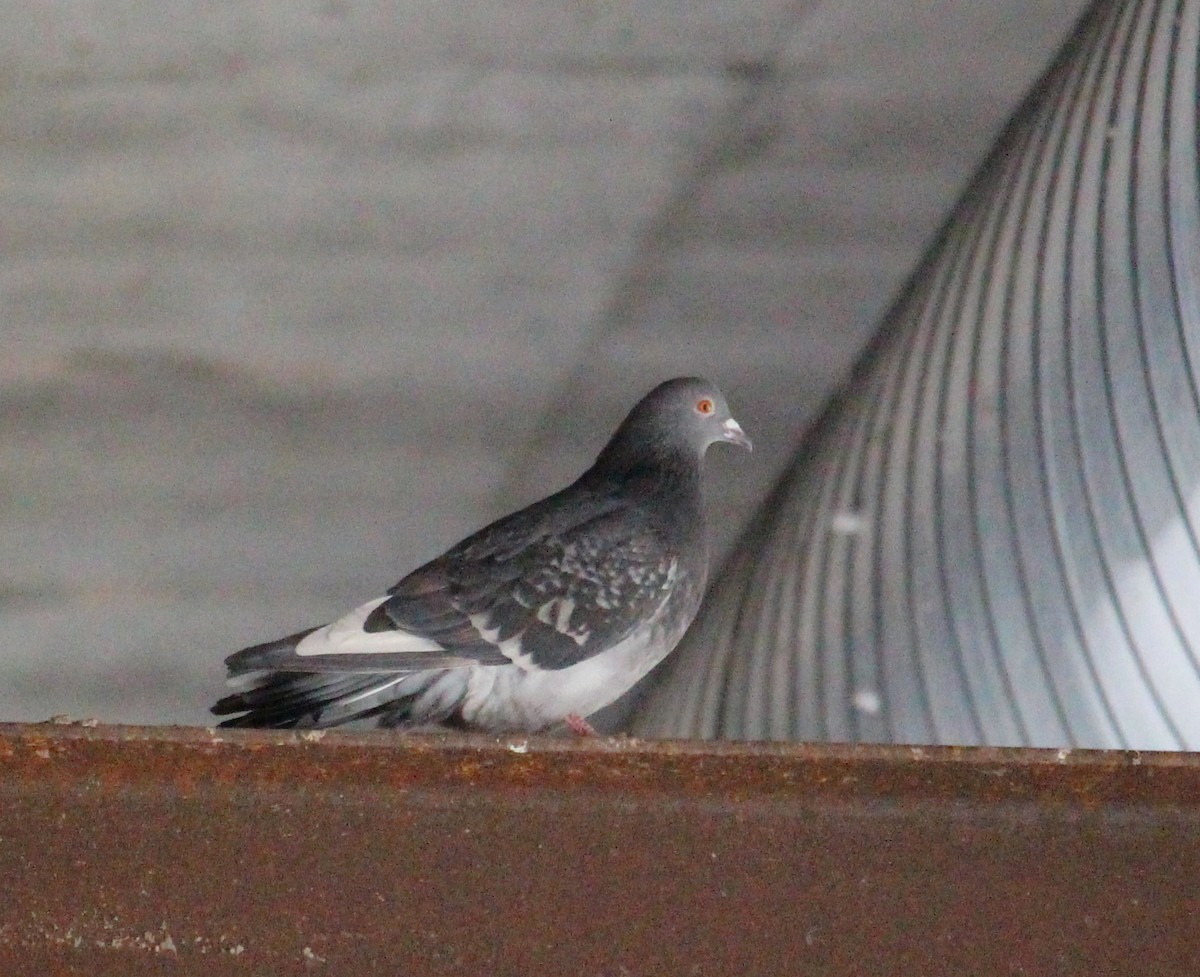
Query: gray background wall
x,y
294,296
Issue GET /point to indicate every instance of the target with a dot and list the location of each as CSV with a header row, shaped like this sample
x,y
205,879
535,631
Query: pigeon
x,y
535,621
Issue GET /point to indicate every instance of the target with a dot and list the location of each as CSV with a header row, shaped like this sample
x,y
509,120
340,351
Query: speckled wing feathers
x,y
552,603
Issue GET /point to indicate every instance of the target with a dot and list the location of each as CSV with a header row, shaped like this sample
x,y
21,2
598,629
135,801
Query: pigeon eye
x,y
705,406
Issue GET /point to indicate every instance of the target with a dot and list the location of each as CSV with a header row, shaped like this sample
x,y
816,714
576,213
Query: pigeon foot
x,y
580,726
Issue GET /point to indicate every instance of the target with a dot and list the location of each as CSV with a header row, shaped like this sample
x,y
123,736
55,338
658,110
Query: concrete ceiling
x,y
294,296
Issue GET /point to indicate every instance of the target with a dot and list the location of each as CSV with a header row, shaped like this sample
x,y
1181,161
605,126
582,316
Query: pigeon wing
x,y
562,597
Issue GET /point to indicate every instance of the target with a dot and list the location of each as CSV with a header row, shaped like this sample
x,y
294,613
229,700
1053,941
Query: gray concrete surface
x,y
294,296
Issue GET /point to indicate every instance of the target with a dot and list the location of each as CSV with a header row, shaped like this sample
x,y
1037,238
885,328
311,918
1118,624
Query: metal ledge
x,y
135,851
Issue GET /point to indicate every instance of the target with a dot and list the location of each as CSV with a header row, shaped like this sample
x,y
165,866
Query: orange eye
x,y
705,406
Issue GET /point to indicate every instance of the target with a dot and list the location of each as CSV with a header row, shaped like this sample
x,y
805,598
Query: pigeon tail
x,y
293,700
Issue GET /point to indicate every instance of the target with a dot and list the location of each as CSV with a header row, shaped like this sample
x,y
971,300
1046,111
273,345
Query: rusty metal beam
x,y
136,851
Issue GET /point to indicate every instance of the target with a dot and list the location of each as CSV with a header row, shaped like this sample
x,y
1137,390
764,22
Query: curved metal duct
x,y
993,534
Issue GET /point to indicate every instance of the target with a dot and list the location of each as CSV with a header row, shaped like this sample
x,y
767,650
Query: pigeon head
x,y
678,418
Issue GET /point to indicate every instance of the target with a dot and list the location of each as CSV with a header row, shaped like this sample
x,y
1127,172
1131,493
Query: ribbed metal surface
x,y
993,535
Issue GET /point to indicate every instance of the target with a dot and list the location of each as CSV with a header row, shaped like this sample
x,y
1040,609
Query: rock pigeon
x,y
540,618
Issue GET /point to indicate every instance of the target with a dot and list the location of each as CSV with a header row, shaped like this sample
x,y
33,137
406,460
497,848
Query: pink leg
x,y
579,726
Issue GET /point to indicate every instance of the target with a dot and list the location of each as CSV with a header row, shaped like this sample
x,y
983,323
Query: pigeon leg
x,y
579,726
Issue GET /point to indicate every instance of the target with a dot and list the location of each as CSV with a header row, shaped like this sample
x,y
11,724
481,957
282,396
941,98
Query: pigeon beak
x,y
732,432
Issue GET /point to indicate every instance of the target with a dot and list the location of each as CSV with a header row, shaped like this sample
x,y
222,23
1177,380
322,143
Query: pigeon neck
x,y
653,469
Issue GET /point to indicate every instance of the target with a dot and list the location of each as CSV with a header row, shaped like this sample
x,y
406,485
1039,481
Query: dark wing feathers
x,y
565,594
272,654
368,663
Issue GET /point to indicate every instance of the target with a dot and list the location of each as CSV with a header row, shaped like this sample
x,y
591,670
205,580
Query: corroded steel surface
x,y
130,851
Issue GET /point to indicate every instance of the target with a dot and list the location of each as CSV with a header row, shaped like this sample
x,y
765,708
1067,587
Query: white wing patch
x,y
510,649
346,636
557,613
